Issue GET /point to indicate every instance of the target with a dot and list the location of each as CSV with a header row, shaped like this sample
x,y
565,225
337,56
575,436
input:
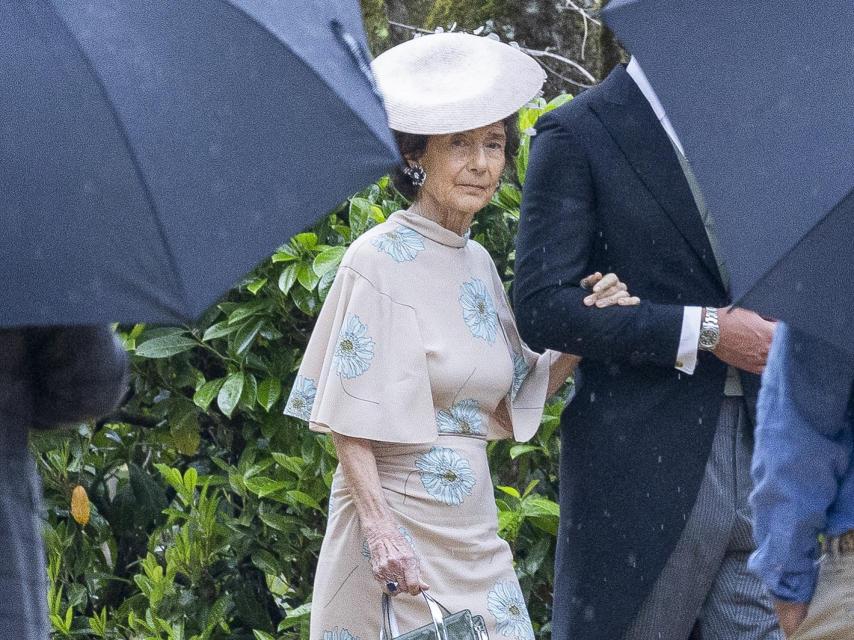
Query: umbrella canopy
x,y
760,94
153,152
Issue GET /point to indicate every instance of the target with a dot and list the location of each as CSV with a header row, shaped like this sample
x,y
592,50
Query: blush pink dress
x,y
415,349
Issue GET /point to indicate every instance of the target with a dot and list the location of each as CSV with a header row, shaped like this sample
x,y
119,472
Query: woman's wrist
x,y
377,522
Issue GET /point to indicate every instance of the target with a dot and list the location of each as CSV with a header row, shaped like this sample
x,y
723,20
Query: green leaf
x,y
250,391
328,260
510,491
287,278
301,497
148,495
537,506
307,277
262,635
269,392
363,214
207,392
246,335
263,486
287,253
305,301
291,463
307,241
279,522
248,310
558,101
185,433
521,449
165,346
325,284
229,394
256,285
218,330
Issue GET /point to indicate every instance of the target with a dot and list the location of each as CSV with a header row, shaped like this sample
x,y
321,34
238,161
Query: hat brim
x,y
449,82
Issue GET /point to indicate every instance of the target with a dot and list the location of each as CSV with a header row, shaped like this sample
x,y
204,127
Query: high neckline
x,y
430,229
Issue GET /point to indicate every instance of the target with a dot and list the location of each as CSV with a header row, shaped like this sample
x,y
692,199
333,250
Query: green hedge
x,y
204,506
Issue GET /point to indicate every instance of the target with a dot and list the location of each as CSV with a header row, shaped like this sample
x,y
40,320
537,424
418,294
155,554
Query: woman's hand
x,y
607,291
394,560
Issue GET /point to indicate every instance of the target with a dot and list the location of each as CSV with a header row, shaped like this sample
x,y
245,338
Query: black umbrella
x,y
153,151
761,96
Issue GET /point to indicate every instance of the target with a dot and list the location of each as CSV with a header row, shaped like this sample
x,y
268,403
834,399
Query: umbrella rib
x,y
801,240
305,63
173,263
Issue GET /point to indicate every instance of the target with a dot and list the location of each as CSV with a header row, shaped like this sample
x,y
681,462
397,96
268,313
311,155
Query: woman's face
x,y
463,169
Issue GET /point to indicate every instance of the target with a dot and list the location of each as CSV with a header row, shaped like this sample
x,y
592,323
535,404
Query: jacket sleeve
x,y
554,251
78,373
802,452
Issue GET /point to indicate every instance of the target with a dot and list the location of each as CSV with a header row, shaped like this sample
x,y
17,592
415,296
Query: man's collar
x,y
636,72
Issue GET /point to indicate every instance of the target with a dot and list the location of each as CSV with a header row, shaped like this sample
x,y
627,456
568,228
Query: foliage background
x,y
197,511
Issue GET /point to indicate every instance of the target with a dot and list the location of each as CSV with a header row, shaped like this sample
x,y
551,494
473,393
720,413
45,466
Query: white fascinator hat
x,y
449,82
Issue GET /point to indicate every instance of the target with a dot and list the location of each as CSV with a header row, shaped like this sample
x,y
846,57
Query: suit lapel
x,y
630,120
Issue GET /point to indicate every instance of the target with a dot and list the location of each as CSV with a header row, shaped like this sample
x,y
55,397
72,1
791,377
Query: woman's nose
x,y
477,160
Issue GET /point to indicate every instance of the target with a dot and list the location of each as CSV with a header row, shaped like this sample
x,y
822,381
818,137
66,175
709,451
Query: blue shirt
x,y
802,463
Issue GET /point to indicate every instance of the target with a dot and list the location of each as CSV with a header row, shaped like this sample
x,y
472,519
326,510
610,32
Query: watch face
x,y
709,338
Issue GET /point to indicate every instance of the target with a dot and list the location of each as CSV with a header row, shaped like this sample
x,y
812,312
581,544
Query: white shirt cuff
x,y
686,359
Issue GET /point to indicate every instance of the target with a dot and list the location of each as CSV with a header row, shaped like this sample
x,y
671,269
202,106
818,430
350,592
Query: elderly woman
x,y
415,361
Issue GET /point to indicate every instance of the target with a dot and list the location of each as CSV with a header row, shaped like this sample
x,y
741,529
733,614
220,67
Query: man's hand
x,y
791,615
745,339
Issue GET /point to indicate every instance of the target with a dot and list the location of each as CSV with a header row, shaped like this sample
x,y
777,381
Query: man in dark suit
x,y
655,529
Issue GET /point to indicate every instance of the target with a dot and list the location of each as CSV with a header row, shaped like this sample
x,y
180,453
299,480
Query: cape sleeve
x,y
526,399
364,372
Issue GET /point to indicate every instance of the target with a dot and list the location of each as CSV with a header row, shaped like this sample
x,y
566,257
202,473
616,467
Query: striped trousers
x,y
705,582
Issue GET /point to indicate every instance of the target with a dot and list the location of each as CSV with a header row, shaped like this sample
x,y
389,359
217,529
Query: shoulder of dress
x,y
478,249
362,254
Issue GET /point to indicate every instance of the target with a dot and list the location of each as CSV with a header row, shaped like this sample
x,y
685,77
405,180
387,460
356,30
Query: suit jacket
x,y
605,192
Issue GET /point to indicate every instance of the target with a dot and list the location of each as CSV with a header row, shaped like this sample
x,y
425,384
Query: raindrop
x,y
589,613
593,397
659,459
632,560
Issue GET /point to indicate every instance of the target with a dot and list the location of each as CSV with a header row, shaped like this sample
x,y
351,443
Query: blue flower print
x,y
446,475
355,348
402,243
301,399
520,372
342,634
478,310
506,603
463,417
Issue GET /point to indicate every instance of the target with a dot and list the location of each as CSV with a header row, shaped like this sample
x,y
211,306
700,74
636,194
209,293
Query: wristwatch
x,y
710,330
